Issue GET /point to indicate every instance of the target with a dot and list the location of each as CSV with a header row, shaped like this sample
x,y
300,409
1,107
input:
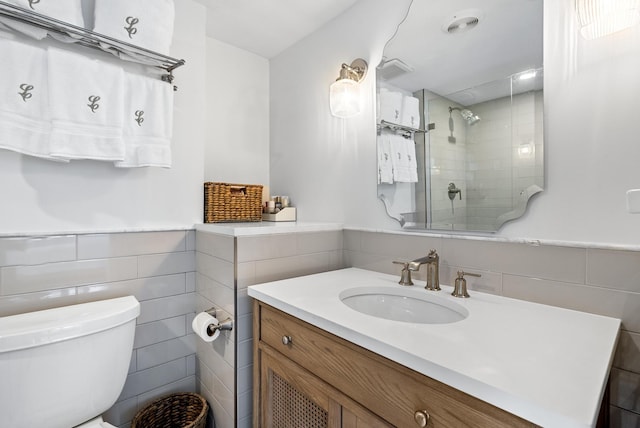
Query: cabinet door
x,y
291,397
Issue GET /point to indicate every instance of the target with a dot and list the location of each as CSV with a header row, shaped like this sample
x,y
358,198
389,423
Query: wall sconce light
x,y
344,93
599,18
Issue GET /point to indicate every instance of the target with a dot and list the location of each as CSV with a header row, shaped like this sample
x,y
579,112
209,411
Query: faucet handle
x,y
405,275
460,287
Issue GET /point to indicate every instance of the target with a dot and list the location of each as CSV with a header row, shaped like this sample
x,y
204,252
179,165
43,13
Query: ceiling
x,y
266,28
507,40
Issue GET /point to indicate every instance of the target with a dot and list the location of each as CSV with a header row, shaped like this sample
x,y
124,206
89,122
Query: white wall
x,y
592,150
327,165
42,196
237,119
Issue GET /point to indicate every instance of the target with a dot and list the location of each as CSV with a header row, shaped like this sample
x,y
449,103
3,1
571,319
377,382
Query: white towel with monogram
x,y
25,122
144,23
385,165
148,122
390,108
86,100
410,112
69,11
403,153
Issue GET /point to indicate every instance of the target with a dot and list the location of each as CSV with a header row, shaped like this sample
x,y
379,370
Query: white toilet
x,y
64,367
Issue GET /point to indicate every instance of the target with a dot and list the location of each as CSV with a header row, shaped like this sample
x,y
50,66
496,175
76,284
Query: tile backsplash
x,y
177,273
600,281
158,268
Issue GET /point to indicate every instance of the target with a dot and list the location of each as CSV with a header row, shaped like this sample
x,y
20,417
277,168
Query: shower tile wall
x,y
599,281
497,171
448,159
226,266
158,268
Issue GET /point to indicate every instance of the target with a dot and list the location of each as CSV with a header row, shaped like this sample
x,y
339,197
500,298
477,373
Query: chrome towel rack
x,y
93,40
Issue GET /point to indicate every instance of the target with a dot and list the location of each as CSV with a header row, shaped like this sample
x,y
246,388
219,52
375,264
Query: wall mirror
x,y
460,114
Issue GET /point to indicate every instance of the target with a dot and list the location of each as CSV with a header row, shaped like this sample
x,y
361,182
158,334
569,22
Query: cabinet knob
x,y
287,340
421,417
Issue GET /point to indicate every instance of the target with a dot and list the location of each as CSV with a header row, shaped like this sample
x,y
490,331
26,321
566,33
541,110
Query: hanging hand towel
x,y
86,101
69,11
412,160
144,23
390,106
385,166
25,122
411,112
403,152
147,123
400,159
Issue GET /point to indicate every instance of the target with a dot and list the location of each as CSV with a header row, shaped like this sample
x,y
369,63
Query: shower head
x,y
467,115
470,117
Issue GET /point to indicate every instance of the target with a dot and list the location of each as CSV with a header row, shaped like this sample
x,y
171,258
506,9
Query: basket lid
x,y
55,325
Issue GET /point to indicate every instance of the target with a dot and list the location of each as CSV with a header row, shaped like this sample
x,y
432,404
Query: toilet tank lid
x,y
54,325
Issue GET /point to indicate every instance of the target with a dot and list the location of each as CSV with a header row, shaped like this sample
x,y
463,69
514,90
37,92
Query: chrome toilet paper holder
x,y
226,325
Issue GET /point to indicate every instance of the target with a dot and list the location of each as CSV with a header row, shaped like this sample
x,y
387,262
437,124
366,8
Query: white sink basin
x,y
403,304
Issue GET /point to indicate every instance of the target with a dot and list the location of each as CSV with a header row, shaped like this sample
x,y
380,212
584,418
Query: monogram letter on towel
x,y
26,91
32,2
139,118
93,103
131,29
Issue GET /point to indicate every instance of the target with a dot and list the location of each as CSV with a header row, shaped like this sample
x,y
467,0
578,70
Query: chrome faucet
x,y
432,260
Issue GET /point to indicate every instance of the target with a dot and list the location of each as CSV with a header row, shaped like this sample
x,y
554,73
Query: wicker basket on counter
x,y
224,202
180,410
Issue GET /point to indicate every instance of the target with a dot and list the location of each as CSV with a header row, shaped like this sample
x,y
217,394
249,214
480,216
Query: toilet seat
x,y
96,423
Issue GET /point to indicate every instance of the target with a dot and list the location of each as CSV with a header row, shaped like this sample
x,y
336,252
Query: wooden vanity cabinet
x,y
307,377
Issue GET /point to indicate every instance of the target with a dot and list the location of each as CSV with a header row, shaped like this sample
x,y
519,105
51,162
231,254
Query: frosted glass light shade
x,y
599,18
344,98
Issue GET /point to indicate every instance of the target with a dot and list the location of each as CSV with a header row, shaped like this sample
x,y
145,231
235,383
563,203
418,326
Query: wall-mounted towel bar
x,y
84,37
397,127
406,131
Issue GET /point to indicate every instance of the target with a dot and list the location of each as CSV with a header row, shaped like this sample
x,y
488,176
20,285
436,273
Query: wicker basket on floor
x,y
224,202
180,410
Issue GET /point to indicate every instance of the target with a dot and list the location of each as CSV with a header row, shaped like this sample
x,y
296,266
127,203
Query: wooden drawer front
x,y
390,390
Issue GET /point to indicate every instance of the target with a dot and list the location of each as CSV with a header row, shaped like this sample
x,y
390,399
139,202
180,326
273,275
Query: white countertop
x,y
266,228
545,364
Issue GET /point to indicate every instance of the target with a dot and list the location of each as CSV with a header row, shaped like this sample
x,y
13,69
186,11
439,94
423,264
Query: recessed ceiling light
x,y
463,20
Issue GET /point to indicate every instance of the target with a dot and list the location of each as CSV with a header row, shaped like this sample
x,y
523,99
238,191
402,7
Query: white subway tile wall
x,y
599,281
158,268
176,274
226,266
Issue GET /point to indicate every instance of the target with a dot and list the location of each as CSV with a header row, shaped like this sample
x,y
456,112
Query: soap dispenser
x,y
460,287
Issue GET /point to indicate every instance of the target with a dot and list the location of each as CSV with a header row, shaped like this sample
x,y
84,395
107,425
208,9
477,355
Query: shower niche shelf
x,y
69,33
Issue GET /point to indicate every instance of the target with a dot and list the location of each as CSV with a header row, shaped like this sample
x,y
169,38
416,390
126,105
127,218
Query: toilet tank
x,y
61,367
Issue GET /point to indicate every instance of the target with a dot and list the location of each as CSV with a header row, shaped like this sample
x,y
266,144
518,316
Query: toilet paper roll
x,y
200,326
